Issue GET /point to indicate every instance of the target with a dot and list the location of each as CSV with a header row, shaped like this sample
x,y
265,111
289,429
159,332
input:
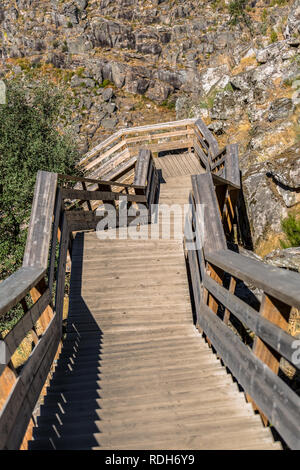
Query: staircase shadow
x,y
69,408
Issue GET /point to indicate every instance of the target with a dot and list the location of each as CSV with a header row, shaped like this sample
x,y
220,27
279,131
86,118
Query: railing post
x,y
278,313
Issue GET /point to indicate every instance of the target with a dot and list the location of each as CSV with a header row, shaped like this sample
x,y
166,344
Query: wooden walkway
x,y
134,372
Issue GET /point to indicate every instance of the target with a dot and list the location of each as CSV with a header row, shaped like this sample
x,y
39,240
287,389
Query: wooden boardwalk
x,y
134,372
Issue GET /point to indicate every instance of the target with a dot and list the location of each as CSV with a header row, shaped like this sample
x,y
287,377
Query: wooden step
x,y
229,432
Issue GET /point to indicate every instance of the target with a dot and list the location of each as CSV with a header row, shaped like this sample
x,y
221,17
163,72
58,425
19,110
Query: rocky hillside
x,y
234,63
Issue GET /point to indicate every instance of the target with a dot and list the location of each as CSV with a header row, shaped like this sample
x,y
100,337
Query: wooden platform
x,y
134,373
179,165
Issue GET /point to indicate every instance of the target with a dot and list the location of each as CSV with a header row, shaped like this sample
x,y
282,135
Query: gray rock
x,y
270,188
288,258
82,82
79,45
107,94
217,127
264,206
110,107
118,74
109,123
271,52
280,108
159,91
293,23
82,4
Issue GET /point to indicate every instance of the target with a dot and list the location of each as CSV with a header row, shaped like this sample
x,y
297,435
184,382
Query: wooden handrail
x,y
98,181
57,211
215,303
51,223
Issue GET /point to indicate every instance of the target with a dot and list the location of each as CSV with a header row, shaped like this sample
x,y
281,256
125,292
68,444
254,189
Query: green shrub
x,y
237,11
105,83
168,104
69,25
29,141
291,228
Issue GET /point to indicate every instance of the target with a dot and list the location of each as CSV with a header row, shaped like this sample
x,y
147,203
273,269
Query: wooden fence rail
x,y
215,271
54,217
116,169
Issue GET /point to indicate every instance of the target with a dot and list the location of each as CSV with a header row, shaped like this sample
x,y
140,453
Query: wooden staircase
x,y
134,372
148,357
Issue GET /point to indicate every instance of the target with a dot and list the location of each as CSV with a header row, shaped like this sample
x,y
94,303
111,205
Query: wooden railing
x,y
39,285
119,151
66,204
215,273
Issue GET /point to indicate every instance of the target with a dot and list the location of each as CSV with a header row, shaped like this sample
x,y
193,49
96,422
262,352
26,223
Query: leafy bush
x,y
237,11
273,36
29,141
291,228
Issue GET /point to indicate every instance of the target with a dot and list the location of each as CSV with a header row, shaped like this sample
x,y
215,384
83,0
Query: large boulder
x,y
293,23
270,189
288,258
280,109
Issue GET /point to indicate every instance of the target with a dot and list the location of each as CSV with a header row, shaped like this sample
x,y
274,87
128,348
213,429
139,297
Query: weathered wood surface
x,y
96,181
275,336
39,232
141,168
280,283
213,236
14,338
134,372
255,370
271,394
232,171
208,137
14,288
25,386
98,195
155,309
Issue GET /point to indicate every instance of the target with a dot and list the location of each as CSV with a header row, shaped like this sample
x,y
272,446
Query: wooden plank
x,y
217,163
229,210
121,170
269,332
96,181
57,213
97,195
61,269
23,384
204,194
99,147
14,288
272,395
232,171
279,283
119,157
202,156
39,232
162,135
160,125
231,290
141,167
219,180
35,293
278,314
210,139
13,339
195,277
